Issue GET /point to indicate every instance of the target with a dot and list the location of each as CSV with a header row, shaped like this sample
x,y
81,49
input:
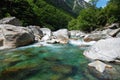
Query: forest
x,y
44,14
93,18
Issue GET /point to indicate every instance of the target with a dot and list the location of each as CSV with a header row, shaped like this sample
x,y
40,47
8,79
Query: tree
x,y
86,21
35,12
112,11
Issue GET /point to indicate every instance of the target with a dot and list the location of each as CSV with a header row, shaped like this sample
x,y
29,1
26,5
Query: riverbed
x,y
51,62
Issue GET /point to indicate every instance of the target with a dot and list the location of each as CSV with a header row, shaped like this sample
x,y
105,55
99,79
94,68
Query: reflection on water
x,y
58,62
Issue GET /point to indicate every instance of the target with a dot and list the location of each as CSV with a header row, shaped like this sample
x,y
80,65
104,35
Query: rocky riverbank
x,y
14,35
103,51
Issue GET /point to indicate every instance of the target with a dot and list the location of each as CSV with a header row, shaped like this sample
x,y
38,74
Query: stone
x,y
81,43
36,32
114,32
105,50
47,33
118,35
13,36
76,34
11,20
61,36
99,66
114,26
95,37
65,69
103,71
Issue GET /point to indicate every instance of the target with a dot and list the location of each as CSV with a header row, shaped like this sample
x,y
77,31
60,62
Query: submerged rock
x,y
65,69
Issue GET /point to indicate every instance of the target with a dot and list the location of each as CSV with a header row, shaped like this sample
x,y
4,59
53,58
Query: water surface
x,y
56,62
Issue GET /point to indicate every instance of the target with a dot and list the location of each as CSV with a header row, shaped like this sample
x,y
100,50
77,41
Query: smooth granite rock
x,y
105,50
13,36
61,36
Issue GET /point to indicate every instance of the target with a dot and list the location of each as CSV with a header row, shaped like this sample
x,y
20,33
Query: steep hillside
x,y
71,6
35,12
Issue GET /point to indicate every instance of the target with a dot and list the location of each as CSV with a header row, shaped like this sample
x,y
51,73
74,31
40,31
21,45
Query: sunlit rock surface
x,y
105,50
47,33
99,66
104,71
61,36
13,36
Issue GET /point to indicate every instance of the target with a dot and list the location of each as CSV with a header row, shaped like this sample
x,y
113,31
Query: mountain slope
x,y
71,6
35,12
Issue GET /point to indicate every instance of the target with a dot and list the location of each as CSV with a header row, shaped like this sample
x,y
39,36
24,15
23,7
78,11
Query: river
x,y
51,62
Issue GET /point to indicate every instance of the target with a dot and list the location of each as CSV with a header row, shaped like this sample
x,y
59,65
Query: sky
x,y
101,3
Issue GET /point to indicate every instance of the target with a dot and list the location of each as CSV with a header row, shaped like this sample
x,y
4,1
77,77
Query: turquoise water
x,y
56,62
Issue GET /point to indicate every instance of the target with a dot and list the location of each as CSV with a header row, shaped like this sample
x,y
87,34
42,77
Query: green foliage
x,y
69,6
73,24
112,20
92,18
43,13
86,21
35,12
112,11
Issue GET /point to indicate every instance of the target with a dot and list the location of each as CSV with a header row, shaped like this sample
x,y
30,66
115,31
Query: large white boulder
x,y
61,36
99,66
47,33
13,36
105,50
103,71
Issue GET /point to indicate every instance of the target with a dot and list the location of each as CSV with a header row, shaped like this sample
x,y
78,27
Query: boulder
x,y
103,71
61,36
1,42
111,32
114,26
12,36
103,34
11,20
95,36
105,50
76,34
36,32
118,35
114,32
47,33
99,66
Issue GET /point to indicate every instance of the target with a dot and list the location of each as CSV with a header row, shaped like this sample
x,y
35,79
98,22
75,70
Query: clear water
x,y
57,62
